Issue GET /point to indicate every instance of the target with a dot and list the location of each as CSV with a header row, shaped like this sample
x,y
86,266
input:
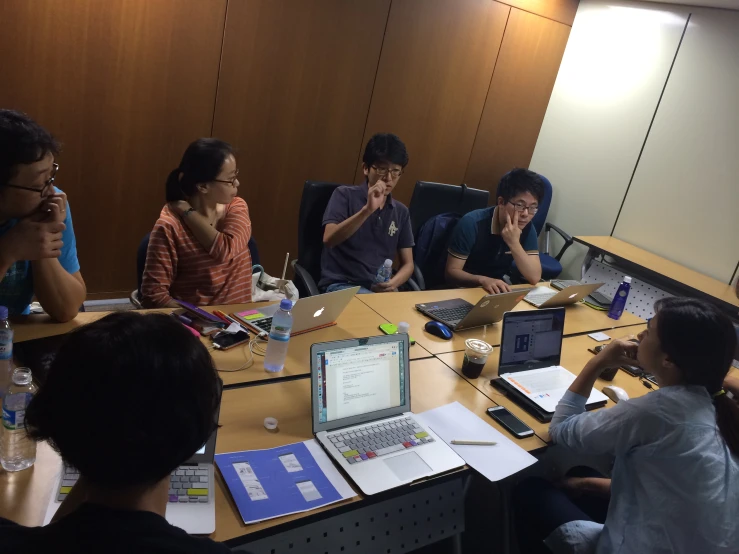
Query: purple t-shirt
x,y
357,259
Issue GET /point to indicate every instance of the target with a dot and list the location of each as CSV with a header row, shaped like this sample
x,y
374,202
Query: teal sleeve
x,y
463,237
531,242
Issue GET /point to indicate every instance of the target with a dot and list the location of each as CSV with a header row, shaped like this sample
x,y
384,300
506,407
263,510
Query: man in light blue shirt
x,y
675,481
38,251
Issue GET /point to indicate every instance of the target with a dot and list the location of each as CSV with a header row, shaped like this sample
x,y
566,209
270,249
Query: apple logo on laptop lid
x,y
318,312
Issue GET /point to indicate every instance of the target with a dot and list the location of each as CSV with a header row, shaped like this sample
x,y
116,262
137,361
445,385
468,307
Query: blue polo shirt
x,y
357,259
16,288
477,239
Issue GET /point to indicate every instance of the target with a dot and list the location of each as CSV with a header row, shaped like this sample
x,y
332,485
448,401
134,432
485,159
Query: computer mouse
x,y
615,393
439,330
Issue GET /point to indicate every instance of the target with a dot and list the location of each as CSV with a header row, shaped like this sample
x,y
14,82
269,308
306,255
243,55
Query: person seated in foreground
x,y
364,225
486,242
103,409
675,484
199,247
38,251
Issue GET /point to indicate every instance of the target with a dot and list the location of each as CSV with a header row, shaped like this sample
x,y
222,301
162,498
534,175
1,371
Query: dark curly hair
x,y
127,399
22,141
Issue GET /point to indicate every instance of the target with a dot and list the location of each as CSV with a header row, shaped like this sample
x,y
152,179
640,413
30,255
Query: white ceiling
x,y
726,4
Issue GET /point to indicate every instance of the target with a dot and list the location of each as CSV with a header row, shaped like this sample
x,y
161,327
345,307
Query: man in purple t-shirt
x,y
363,225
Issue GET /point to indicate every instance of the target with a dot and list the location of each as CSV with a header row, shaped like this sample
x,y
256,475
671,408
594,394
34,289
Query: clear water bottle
x,y
279,335
17,450
619,300
385,273
6,351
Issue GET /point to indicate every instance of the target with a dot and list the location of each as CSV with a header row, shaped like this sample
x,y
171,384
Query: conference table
x,y
252,394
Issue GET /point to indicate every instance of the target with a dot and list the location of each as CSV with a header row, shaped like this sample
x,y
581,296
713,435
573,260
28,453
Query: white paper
x,y
232,329
291,463
599,336
308,490
250,481
329,469
454,421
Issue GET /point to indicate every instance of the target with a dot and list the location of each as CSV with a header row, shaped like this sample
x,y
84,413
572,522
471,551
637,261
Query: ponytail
x,y
727,419
700,340
201,163
173,192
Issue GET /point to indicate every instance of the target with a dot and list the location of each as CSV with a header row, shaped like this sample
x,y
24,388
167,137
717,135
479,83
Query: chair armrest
x,y
302,275
412,284
418,279
567,238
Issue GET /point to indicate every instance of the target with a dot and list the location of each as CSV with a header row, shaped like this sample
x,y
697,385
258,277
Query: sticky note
x,y
247,312
599,336
256,315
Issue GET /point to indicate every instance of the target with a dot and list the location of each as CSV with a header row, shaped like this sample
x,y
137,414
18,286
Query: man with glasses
x,y
364,225
486,242
38,251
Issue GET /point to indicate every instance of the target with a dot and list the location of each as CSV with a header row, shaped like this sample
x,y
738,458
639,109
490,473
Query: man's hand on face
x,y
31,239
52,209
511,233
375,196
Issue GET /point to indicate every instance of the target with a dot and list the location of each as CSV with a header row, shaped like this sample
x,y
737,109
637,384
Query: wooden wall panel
x,y
559,10
517,101
437,61
294,92
126,85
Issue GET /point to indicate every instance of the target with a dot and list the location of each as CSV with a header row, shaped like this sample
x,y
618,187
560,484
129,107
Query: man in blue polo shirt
x,y
485,242
364,225
38,251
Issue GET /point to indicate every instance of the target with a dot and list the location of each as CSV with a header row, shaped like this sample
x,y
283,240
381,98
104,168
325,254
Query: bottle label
x,y
6,344
14,410
280,333
622,293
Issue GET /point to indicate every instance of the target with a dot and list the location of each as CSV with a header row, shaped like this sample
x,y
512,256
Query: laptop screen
x,y
360,380
531,340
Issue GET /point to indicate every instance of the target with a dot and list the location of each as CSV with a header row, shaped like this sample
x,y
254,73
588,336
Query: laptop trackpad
x,y
408,466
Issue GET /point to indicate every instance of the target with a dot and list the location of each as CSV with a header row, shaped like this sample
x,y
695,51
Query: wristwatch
x,y
187,212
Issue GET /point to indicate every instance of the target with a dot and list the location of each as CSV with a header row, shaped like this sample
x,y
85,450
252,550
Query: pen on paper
x,y
473,443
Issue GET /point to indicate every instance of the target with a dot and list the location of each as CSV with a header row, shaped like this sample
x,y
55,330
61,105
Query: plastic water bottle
x,y
279,335
17,450
385,273
6,351
619,300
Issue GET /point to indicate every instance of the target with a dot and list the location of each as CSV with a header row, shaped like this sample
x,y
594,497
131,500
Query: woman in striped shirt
x,y
198,249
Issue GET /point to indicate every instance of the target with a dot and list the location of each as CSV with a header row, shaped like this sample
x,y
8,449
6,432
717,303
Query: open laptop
x,y
192,488
542,297
529,370
309,313
360,400
459,314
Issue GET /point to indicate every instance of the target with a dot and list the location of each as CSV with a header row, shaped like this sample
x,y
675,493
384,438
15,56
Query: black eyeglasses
x,y
49,182
231,182
523,207
382,171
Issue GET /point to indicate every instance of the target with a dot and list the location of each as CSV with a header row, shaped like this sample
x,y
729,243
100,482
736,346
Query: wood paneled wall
x,y
296,85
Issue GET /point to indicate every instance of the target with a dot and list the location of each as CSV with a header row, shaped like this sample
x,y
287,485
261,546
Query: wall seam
x,y
218,75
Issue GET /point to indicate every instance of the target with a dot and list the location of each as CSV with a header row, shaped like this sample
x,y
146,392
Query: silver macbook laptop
x,y
309,313
459,314
192,487
542,297
530,352
361,399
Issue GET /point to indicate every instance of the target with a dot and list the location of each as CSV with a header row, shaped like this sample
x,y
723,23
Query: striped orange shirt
x,y
178,266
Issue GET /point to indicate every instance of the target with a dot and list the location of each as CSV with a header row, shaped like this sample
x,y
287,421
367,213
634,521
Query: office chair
x,y
433,199
307,267
135,296
550,265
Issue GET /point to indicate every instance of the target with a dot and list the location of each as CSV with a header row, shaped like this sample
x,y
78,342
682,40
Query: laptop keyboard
x,y
538,298
452,315
186,484
371,441
564,283
263,324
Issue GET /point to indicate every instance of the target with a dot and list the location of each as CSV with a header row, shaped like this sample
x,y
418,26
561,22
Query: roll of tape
x,y
270,423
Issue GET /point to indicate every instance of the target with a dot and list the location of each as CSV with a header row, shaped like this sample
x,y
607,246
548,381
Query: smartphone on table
x,y
513,425
226,341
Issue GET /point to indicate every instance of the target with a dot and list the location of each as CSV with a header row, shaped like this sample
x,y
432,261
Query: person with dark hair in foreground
x,y
106,414
199,247
675,485
364,225
486,242
38,251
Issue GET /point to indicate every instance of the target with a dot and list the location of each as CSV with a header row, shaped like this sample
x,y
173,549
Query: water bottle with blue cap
x,y
279,336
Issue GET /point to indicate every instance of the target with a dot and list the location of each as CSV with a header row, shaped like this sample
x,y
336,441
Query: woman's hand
x,y
618,353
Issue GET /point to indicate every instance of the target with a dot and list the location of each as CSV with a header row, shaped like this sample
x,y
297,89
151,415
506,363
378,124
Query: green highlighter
x,y
391,329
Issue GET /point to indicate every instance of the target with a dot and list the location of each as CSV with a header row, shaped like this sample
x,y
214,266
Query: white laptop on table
x,y
361,399
191,504
309,313
543,297
530,352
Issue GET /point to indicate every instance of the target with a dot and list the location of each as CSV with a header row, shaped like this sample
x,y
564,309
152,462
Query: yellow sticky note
x,y
65,490
197,492
252,316
351,453
422,434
